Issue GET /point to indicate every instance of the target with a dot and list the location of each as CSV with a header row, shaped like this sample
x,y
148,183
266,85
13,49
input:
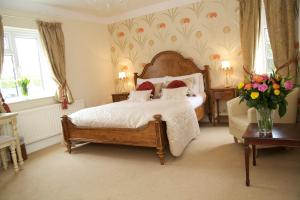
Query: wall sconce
x,y
226,66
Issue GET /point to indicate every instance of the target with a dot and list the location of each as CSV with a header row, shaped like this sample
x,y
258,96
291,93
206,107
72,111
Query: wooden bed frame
x,y
167,63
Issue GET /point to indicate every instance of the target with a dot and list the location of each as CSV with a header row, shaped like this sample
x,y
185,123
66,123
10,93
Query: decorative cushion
x,y
139,96
157,92
174,93
147,85
176,84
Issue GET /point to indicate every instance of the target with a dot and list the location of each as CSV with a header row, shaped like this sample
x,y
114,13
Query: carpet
x,y
211,168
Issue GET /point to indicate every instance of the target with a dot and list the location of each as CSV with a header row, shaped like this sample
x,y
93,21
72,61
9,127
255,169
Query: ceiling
x,y
104,10
99,8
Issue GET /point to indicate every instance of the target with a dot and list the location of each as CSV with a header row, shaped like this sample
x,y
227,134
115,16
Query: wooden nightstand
x,y
120,96
217,94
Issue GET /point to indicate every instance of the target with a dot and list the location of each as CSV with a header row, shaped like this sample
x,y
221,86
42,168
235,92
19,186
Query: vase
x,y
24,91
265,118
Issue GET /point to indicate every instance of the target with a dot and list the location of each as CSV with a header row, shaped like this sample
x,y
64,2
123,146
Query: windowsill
x,y
28,98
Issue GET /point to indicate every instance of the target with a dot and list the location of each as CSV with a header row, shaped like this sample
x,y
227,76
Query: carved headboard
x,y
172,63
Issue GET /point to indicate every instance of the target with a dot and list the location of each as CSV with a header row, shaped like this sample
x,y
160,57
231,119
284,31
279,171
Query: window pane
x,y
8,77
28,55
6,46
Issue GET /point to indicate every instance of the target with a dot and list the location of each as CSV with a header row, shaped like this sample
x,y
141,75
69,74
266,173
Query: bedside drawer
x,y
120,97
224,95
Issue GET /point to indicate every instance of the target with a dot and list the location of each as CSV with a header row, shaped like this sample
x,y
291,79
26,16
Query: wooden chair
x,y
8,141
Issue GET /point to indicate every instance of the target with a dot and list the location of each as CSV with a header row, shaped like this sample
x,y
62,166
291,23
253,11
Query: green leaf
x,y
282,109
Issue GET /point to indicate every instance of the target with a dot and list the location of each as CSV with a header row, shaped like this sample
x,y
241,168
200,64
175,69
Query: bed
x,y
153,133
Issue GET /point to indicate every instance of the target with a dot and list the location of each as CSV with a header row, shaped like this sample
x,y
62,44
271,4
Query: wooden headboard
x,y
172,63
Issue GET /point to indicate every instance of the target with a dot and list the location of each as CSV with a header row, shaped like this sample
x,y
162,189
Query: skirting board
x,y
35,146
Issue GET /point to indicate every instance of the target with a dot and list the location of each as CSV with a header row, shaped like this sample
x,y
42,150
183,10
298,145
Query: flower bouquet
x,y
266,93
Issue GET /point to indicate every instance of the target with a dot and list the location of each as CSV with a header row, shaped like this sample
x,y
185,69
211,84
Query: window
x,y
264,63
23,57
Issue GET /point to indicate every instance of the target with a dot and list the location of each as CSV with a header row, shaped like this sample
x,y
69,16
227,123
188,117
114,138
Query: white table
x,y
11,119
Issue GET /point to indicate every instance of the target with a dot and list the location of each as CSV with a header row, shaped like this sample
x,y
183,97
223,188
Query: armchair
x,y
240,115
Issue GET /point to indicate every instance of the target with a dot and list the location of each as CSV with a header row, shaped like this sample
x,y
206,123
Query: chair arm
x,y
251,113
234,107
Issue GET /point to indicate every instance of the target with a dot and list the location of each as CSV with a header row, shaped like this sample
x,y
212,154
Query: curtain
x,y
249,30
53,40
1,45
282,28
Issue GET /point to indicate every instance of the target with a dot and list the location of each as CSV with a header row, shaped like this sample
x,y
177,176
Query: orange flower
x,y
258,78
161,25
185,20
276,86
248,86
121,34
139,30
226,29
212,15
124,68
151,43
215,57
173,38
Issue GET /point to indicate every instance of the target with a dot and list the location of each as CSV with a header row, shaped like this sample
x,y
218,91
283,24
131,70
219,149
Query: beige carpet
x,y
212,167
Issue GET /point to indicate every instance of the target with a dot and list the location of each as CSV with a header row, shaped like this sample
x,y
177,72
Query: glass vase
x,y
265,118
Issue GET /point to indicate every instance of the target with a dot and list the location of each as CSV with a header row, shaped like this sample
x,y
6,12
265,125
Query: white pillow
x,y
174,93
152,80
198,86
139,96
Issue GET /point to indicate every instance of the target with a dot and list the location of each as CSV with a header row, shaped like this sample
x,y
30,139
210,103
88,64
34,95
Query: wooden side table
x,y
120,97
217,95
11,119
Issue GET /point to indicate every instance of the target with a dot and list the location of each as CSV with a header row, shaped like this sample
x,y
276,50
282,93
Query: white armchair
x,y
240,115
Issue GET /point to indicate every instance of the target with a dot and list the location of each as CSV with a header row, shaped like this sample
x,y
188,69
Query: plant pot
x,y
265,117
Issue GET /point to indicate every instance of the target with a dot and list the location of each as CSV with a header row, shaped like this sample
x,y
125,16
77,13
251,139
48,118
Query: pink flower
x,y
288,85
263,87
265,77
255,85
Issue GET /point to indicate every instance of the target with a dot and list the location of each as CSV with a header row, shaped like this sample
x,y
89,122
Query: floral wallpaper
x,y
206,31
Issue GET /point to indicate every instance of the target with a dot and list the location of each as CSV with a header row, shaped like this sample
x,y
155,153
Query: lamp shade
x,y
225,65
122,75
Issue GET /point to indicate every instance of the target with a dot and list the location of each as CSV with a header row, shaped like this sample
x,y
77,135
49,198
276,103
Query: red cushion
x,y
147,85
176,84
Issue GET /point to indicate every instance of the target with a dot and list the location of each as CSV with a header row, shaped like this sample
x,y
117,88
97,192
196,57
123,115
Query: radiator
x,y
43,122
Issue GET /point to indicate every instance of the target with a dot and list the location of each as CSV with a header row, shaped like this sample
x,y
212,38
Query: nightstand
x,y
120,96
217,95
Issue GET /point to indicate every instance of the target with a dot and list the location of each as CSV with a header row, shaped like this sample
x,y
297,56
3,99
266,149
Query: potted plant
x,y
23,84
266,93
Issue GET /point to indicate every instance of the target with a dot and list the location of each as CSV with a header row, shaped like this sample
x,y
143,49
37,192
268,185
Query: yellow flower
x,y
276,92
241,85
254,95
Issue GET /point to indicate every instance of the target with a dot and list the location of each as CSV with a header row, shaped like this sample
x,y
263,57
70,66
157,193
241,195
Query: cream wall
x,y
89,71
207,32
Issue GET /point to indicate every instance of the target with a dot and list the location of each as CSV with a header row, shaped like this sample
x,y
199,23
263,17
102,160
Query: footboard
x,y
151,135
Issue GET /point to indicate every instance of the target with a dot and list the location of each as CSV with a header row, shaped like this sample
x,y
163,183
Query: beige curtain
x,y
249,30
53,40
1,45
282,27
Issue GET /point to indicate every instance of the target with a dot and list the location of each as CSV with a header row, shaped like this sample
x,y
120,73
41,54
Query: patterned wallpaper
x,y
207,32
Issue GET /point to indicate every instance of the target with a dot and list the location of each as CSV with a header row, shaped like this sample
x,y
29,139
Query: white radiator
x,y
43,122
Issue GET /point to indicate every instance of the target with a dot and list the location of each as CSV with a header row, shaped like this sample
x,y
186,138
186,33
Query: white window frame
x,y
12,32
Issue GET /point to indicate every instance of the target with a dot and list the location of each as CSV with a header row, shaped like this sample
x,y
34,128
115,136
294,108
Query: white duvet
x,y
182,124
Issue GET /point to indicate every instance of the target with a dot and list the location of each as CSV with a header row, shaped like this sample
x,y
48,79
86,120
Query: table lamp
x,y
122,78
226,66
